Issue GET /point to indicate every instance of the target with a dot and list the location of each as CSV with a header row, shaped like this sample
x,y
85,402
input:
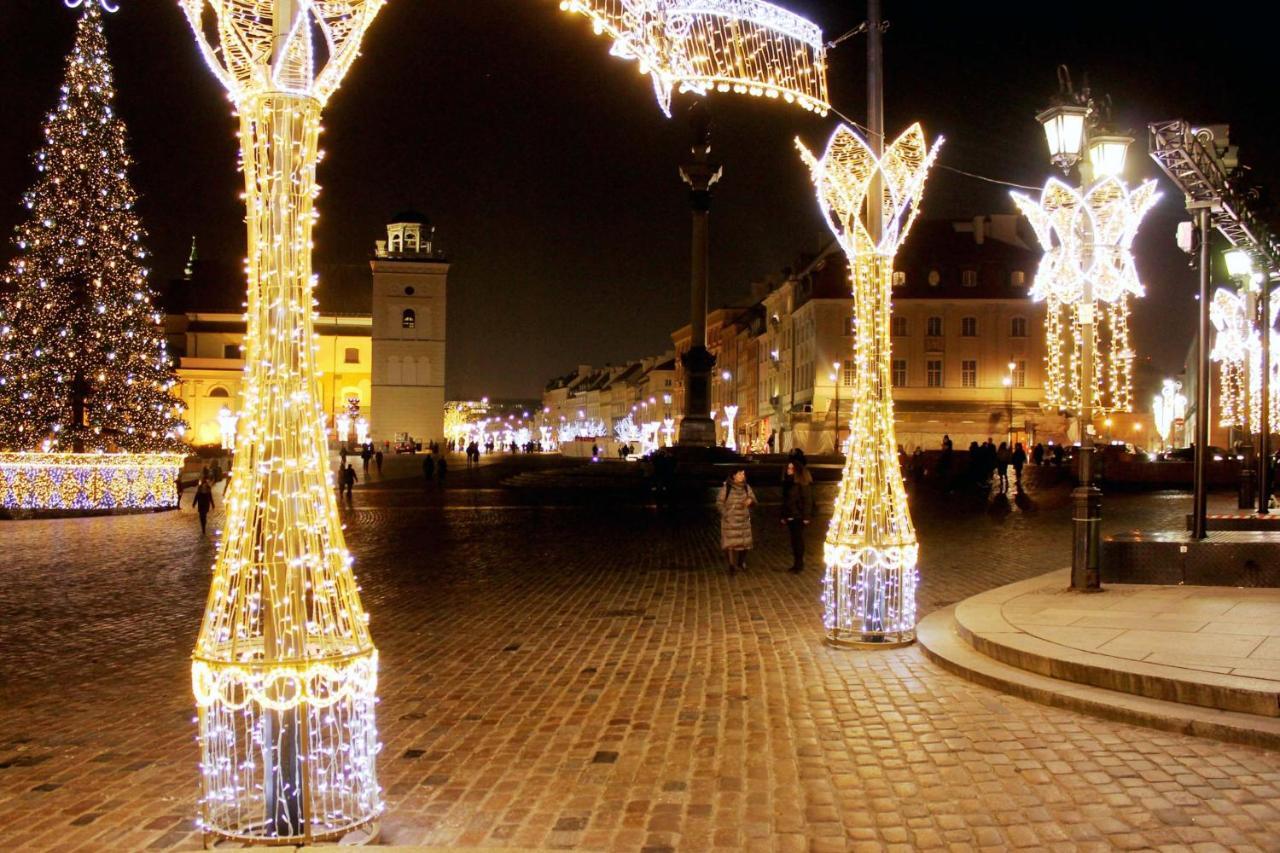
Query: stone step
x,y
942,643
981,623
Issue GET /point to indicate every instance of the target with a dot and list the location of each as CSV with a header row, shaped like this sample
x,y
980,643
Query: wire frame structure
x,y
284,670
744,46
871,551
1087,277
1237,348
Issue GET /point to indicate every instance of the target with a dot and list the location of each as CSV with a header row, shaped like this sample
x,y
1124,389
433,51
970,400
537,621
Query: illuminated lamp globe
x,y
1107,155
1239,264
1064,131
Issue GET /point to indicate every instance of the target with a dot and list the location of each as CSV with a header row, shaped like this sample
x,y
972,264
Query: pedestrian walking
x,y
773,437
797,509
1037,454
377,458
215,473
1019,460
348,482
735,501
203,502
1003,458
365,457
442,468
429,469
342,458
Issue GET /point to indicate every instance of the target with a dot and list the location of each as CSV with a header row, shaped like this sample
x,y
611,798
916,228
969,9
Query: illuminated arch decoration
x,y
284,671
1237,347
1088,245
871,551
744,46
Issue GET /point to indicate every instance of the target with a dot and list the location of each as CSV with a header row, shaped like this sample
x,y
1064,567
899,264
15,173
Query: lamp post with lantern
x,y
1086,277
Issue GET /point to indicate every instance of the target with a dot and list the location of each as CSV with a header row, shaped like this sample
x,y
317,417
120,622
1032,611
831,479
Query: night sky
x,y
550,173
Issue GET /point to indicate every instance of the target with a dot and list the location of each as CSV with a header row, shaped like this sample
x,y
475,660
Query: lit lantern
x,y
1064,127
1107,154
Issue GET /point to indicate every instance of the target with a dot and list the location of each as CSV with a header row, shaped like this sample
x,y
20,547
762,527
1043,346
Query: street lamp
x,y
1007,382
1086,277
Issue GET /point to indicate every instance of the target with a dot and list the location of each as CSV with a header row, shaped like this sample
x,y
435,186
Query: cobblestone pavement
x,y
588,677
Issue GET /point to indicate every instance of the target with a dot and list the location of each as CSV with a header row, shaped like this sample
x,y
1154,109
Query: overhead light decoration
x,y
744,46
1237,348
871,551
1087,275
284,671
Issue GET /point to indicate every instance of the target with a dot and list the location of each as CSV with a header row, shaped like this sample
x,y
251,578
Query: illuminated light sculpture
x,y
669,430
284,671
227,428
869,591
627,431
730,413
744,46
1169,406
1237,347
362,430
89,481
1086,277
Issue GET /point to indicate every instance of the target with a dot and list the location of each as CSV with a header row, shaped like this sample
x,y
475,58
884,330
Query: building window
x,y
934,328
1018,279
899,373
933,373
969,374
968,327
1020,374
935,278
846,375
899,279
352,355
219,391
230,350
969,278
1018,327
409,319
898,327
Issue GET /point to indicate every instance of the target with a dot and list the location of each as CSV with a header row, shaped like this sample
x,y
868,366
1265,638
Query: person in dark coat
x,y
429,468
348,481
797,509
203,502
377,460
1003,458
1019,460
735,501
442,468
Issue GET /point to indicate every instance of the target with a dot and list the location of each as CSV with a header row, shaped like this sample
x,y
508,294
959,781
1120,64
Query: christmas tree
x,y
83,364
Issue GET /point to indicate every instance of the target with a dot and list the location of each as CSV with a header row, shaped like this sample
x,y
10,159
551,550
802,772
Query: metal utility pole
x,y
696,427
1199,505
1264,479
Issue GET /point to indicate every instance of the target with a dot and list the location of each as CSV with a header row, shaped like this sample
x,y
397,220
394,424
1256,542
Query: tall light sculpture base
x,y
284,671
869,590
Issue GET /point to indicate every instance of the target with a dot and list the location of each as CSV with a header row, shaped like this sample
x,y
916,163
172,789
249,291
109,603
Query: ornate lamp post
x,y
284,670
1086,277
871,549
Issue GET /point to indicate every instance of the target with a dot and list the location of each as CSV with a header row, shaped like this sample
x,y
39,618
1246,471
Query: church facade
x,y
388,359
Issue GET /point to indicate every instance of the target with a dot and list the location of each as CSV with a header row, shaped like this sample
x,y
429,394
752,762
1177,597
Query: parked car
x,y
1188,454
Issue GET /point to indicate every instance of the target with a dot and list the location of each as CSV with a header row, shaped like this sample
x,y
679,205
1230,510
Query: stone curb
x,y
942,644
981,623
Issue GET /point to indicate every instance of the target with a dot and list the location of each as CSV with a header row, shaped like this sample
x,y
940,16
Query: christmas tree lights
x,y
871,549
83,363
1086,278
744,46
284,671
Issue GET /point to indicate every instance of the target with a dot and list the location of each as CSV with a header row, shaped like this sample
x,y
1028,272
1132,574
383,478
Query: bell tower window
x,y
409,319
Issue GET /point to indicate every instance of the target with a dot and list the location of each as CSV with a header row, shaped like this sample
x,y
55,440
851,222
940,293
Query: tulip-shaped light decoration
x,y
284,670
1237,347
1087,276
869,592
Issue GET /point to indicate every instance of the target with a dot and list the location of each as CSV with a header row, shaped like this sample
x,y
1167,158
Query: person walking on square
x,y
735,501
203,502
797,509
442,468
1019,460
377,460
429,468
1003,458
348,481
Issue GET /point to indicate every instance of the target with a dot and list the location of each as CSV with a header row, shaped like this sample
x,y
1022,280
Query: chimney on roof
x,y
979,234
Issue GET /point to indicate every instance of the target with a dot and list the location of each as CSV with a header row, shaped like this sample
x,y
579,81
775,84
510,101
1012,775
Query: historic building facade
x,y
968,346
385,356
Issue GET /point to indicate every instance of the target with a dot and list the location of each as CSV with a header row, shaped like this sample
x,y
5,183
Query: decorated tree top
x,y
83,364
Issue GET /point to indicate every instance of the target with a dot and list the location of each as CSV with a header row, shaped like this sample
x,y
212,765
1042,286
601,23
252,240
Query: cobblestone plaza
x,y
566,674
